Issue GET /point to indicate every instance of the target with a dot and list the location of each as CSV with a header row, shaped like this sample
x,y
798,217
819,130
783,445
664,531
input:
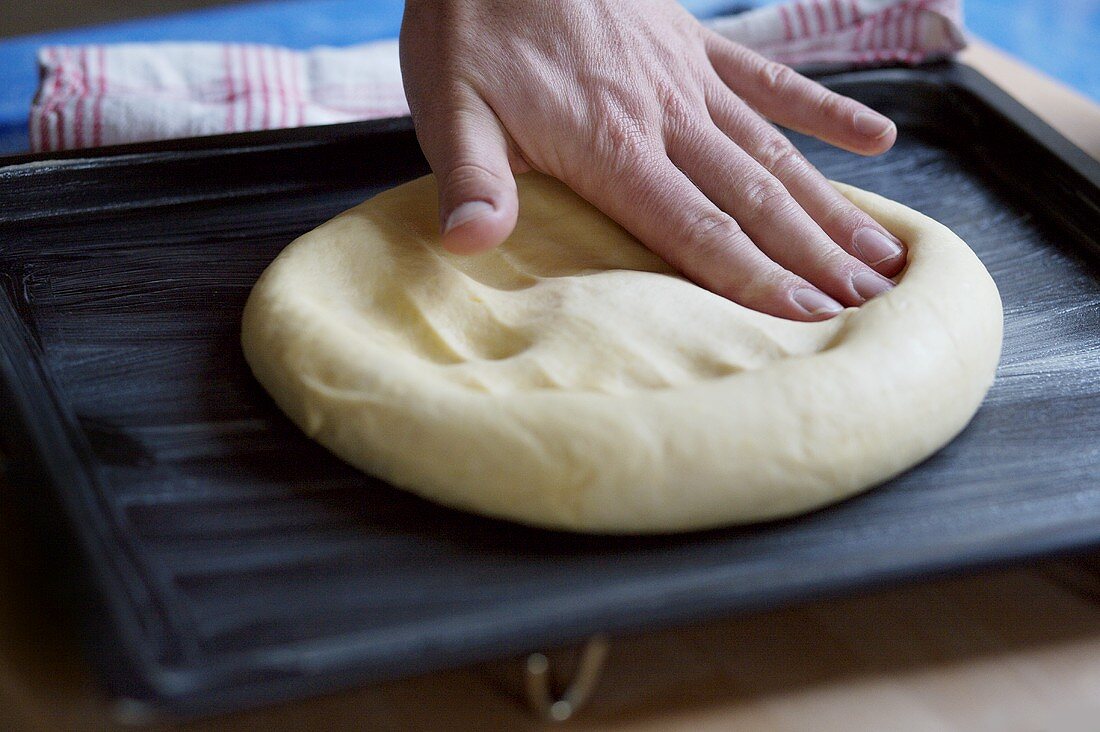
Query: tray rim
x,y
41,424
947,73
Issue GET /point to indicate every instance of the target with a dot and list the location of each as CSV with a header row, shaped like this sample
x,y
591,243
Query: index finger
x,y
788,98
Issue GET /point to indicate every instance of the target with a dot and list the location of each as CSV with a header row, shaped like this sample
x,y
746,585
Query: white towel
x,y
111,94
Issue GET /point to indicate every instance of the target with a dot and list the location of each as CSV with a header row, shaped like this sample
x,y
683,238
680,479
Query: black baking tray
x,y
216,558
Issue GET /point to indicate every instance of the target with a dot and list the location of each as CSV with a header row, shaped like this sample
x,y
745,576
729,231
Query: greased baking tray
x,y
215,558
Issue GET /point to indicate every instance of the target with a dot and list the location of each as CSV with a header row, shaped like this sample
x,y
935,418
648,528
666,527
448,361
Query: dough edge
x,y
808,432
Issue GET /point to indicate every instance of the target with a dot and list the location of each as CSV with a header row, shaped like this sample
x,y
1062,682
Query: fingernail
x,y
814,302
467,212
870,284
872,124
874,247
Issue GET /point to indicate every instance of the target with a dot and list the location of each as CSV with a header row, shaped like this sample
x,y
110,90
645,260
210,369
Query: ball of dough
x,y
571,379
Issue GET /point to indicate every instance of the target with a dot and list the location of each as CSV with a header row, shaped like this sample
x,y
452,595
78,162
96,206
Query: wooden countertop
x,y
1017,649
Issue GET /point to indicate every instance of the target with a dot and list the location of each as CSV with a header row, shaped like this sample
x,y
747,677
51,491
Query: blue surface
x,y
1062,38
291,23
297,24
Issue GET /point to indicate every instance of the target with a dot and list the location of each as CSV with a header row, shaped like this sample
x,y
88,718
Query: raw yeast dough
x,y
571,379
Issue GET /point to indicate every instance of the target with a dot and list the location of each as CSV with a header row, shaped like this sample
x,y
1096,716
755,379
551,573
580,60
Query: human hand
x,y
658,122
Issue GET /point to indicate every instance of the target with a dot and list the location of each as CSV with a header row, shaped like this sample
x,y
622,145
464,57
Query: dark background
x,y
19,17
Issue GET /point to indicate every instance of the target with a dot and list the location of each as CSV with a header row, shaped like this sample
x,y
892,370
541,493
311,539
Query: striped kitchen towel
x,y
103,95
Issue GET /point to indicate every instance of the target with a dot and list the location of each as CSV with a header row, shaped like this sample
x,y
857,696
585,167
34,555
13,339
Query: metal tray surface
x,y
218,559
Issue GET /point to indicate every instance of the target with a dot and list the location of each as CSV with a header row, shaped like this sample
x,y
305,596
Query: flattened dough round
x,y
571,379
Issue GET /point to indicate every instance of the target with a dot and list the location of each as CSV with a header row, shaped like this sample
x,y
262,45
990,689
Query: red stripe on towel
x,y
97,105
803,20
230,91
822,23
788,27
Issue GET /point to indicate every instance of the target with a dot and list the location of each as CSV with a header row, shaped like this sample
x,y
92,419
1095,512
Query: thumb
x,y
468,151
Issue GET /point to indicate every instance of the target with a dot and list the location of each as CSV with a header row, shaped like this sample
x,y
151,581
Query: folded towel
x,y
104,95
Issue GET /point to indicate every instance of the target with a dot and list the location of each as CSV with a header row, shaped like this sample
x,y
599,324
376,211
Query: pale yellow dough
x,y
571,379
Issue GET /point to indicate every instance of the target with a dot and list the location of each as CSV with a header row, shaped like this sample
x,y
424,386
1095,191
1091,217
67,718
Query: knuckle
x,y
765,197
842,219
831,104
778,155
625,142
469,175
832,269
777,77
677,110
767,288
848,219
712,232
